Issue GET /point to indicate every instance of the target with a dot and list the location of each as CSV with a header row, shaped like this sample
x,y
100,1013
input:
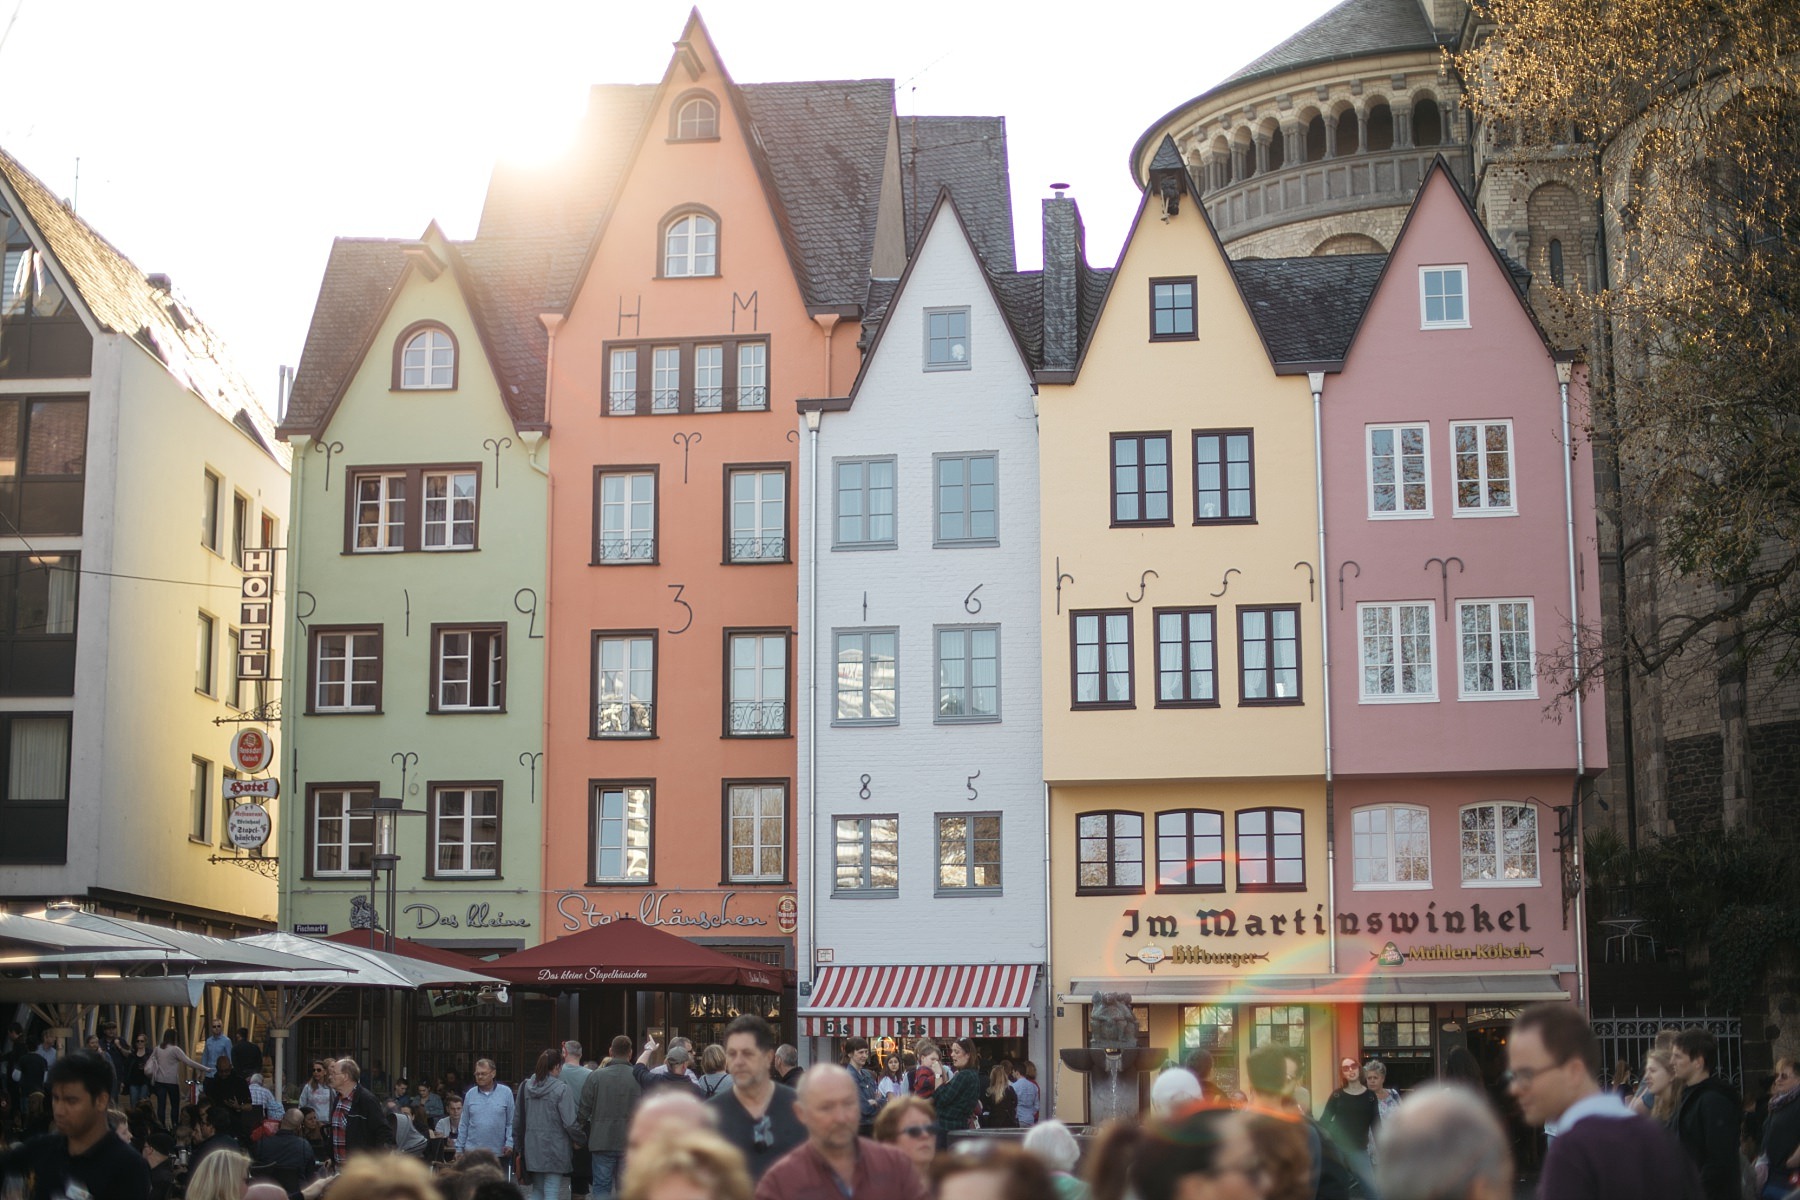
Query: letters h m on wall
x,y
255,614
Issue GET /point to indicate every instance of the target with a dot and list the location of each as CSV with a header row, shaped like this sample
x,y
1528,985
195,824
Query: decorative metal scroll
x,y
1348,562
1443,566
532,611
1225,581
1143,586
530,759
330,448
1312,583
496,445
1061,578
406,759
686,442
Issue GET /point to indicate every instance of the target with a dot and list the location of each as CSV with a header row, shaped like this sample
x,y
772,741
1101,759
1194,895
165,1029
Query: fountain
x,y
1112,1052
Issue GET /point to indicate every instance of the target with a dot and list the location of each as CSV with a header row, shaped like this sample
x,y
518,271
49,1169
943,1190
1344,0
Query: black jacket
x,y
367,1127
283,1158
1707,1124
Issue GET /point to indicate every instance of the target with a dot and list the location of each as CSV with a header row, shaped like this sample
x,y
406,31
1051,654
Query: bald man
x,y
834,1161
664,1112
1443,1143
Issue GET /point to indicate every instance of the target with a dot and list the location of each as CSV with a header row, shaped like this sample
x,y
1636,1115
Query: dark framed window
x,y
1187,658
211,510
624,683
967,497
1224,476
756,513
1100,668
468,668
1271,850
1140,479
206,655
1269,655
1109,853
756,831
41,334
464,828
43,466
1172,310
756,690
1190,850
38,594
968,853
865,504
396,509
694,117
425,358
240,528
34,787
340,829
621,831
867,859
625,515
698,375
344,669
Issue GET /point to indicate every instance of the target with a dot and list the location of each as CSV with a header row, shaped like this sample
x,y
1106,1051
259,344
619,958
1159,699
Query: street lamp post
x,y
387,811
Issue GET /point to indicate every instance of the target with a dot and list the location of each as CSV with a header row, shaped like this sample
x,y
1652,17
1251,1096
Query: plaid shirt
x,y
340,1118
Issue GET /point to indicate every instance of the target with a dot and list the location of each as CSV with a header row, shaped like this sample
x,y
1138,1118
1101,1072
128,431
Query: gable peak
x,y
693,49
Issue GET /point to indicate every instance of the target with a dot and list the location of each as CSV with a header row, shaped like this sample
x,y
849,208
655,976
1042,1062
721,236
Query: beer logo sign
x,y
1150,956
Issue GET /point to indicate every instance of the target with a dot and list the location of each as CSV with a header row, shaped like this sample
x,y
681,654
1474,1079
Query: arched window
x,y
1315,139
1349,132
691,246
425,359
1381,127
696,118
1427,122
1391,846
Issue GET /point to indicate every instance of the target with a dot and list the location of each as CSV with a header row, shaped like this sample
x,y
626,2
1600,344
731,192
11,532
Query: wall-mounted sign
x,y
825,954
319,928
1476,919
256,614
787,914
266,788
1488,951
579,911
478,916
249,826
252,750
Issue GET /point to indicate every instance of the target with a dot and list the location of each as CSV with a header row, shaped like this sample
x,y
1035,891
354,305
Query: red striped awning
x,y
991,1000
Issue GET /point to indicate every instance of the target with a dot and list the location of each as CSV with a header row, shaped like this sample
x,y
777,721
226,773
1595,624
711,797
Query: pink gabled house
x,y
1460,565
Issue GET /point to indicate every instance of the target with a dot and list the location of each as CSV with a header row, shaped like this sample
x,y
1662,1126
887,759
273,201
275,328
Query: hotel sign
x,y
256,614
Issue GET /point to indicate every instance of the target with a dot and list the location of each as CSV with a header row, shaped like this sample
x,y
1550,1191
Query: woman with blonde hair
x,y
381,1177
909,1125
221,1175
1661,1091
695,1165
999,1104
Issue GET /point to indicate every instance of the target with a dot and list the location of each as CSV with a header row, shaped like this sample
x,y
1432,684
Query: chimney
x,y
160,282
1065,253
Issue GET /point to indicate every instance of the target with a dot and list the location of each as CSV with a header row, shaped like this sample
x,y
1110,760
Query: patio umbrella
x,y
630,953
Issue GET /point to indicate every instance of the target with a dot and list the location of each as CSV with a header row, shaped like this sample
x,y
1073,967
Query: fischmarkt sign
x,y
249,826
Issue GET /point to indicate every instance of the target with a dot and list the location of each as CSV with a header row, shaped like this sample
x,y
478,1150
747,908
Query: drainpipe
x,y
1050,1076
1316,381
828,323
1563,372
811,625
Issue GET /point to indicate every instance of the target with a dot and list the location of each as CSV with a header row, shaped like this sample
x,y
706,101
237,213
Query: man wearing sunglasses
x,y
757,1114
834,1161
1602,1150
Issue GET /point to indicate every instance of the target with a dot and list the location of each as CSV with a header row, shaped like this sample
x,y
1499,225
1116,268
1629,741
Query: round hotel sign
x,y
249,826
252,750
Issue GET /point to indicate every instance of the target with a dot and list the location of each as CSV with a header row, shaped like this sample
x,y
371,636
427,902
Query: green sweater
x,y
956,1100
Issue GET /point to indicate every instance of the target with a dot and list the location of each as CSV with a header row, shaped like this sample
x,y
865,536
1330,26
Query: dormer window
x,y
425,359
691,246
695,118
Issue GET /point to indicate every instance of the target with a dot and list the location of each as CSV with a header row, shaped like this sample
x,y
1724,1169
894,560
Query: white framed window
x,y
621,832
968,673
698,117
665,379
342,831
205,636
756,817
865,504
709,378
1398,662
1495,649
867,855
758,515
449,510
625,684
626,525
621,393
346,670
1499,845
753,377
946,339
1482,468
1444,297
691,246
1391,847
469,670
758,705
380,512
465,831
428,361
200,801
968,853
868,690
967,497
1399,470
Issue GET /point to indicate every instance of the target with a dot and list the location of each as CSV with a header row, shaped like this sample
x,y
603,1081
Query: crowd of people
x,y
741,1121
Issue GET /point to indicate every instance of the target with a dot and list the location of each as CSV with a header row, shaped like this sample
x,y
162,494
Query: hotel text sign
x,y
256,614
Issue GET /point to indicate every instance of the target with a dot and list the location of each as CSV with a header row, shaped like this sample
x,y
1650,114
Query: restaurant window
x,y
34,805
1400,1036
1279,1025
868,856
620,833
1190,851
1109,853
1212,1028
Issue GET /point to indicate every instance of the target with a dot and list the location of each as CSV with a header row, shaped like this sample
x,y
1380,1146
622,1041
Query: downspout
x,y
1316,381
285,847
828,323
1563,372
811,625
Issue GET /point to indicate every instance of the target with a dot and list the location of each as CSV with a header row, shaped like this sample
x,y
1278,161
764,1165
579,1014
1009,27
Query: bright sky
x,y
226,142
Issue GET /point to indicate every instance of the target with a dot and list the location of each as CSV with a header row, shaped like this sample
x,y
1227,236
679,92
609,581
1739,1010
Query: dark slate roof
x,y
968,156
1167,157
359,276
1308,308
1021,296
824,143
123,301
1092,284
1354,29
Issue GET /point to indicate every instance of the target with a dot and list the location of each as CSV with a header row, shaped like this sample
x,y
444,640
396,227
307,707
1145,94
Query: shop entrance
x,y
1488,1032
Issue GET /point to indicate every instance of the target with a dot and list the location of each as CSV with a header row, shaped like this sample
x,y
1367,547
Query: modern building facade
x,y
140,485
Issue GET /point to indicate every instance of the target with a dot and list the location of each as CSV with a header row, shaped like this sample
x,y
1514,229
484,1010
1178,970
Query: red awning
x,y
374,939
629,953
992,1000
